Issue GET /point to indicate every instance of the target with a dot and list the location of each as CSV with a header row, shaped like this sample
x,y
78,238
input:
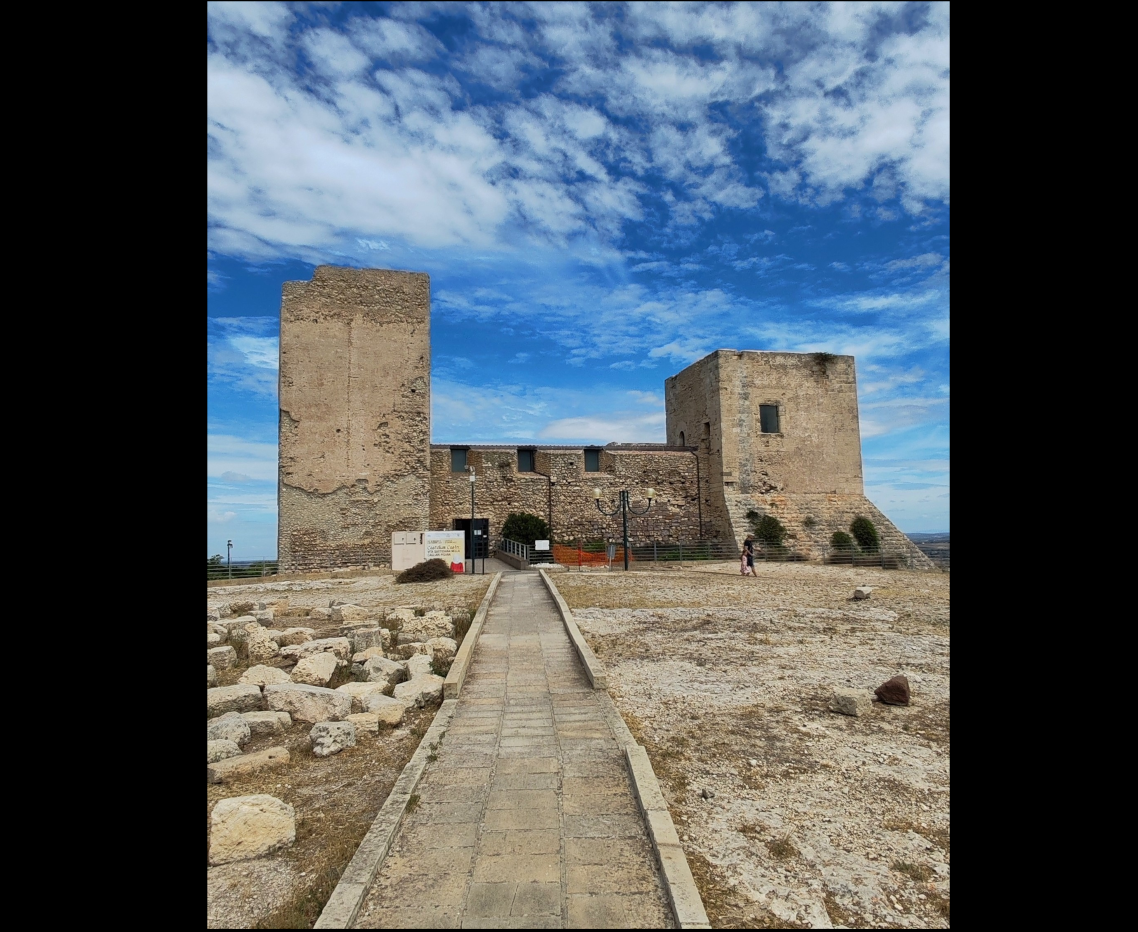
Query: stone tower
x,y
355,415
778,434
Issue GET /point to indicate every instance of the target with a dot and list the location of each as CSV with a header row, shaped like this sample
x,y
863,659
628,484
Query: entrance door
x,y
478,544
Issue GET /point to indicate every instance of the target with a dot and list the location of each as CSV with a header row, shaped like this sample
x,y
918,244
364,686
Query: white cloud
x,y
229,454
623,427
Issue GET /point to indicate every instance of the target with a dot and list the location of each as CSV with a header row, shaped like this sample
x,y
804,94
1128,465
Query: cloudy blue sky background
x,y
601,195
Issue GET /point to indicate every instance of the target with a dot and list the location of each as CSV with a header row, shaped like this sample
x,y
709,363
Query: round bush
x,y
865,534
841,541
524,528
769,530
427,571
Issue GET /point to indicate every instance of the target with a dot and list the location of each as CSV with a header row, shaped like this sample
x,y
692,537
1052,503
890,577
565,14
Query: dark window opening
x,y
457,459
683,443
525,461
768,419
592,461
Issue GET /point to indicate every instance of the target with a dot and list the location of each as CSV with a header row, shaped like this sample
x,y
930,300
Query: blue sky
x,y
601,194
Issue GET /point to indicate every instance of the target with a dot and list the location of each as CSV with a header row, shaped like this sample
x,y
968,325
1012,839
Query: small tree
x,y
770,531
842,541
524,528
865,533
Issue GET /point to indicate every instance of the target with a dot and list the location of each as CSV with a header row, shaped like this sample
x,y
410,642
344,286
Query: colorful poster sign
x,y
449,546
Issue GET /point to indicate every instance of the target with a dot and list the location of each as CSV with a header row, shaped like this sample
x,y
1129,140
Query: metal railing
x,y
514,549
245,569
597,553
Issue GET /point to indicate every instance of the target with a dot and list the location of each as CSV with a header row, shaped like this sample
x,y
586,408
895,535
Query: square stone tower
x,y
355,415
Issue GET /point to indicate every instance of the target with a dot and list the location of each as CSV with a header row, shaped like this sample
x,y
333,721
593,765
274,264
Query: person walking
x,y
749,557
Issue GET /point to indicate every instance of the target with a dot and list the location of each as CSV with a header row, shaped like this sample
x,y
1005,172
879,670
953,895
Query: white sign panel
x,y
541,545
448,546
406,549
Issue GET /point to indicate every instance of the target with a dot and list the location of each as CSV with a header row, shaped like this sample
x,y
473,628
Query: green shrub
x,y
841,541
809,521
427,571
769,530
865,534
524,528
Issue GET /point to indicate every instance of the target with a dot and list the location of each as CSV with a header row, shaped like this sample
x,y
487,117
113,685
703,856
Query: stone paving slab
x,y
527,817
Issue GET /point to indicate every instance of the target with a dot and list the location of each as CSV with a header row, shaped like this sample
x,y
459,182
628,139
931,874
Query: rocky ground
x,y
334,798
791,815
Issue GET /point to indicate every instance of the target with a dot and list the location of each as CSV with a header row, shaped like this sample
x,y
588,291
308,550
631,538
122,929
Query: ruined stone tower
x,y
355,415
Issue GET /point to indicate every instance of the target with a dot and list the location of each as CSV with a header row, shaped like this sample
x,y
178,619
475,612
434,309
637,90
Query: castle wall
x,y
692,408
355,415
567,502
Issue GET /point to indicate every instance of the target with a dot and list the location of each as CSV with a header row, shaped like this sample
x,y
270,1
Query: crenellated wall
x,y
561,491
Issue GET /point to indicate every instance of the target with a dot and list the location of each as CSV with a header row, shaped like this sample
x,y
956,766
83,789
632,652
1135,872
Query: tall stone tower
x,y
778,434
355,415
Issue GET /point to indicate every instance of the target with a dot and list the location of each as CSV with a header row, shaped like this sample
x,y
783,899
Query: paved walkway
x,y
526,819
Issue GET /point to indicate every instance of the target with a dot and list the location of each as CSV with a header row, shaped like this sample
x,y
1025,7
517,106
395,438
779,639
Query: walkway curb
x,y
593,668
456,676
343,905
687,905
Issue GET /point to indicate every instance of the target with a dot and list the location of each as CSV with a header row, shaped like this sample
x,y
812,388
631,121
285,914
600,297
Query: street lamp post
x,y
472,478
229,557
624,506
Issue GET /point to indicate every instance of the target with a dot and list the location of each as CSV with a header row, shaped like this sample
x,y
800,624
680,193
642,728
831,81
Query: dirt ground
x,y
336,798
792,816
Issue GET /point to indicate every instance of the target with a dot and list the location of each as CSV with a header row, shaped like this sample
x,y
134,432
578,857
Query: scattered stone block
x,y
292,636
358,691
315,670
379,670
431,625
308,703
234,768
258,645
222,658
264,616
863,592
894,691
349,613
320,614
442,650
422,690
389,711
228,727
262,675
247,827
363,638
418,665
241,698
210,676
212,639
330,738
341,647
850,701
212,614
266,723
365,722
220,750
365,655
408,650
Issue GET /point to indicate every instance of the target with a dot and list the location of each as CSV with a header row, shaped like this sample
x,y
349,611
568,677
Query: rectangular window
x,y
458,459
592,461
768,419
525,460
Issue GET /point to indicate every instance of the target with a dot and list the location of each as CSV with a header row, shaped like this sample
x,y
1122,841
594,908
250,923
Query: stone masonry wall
x,y
567,502
355,415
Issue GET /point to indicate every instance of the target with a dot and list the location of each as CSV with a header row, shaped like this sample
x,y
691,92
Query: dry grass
x,y
722,904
